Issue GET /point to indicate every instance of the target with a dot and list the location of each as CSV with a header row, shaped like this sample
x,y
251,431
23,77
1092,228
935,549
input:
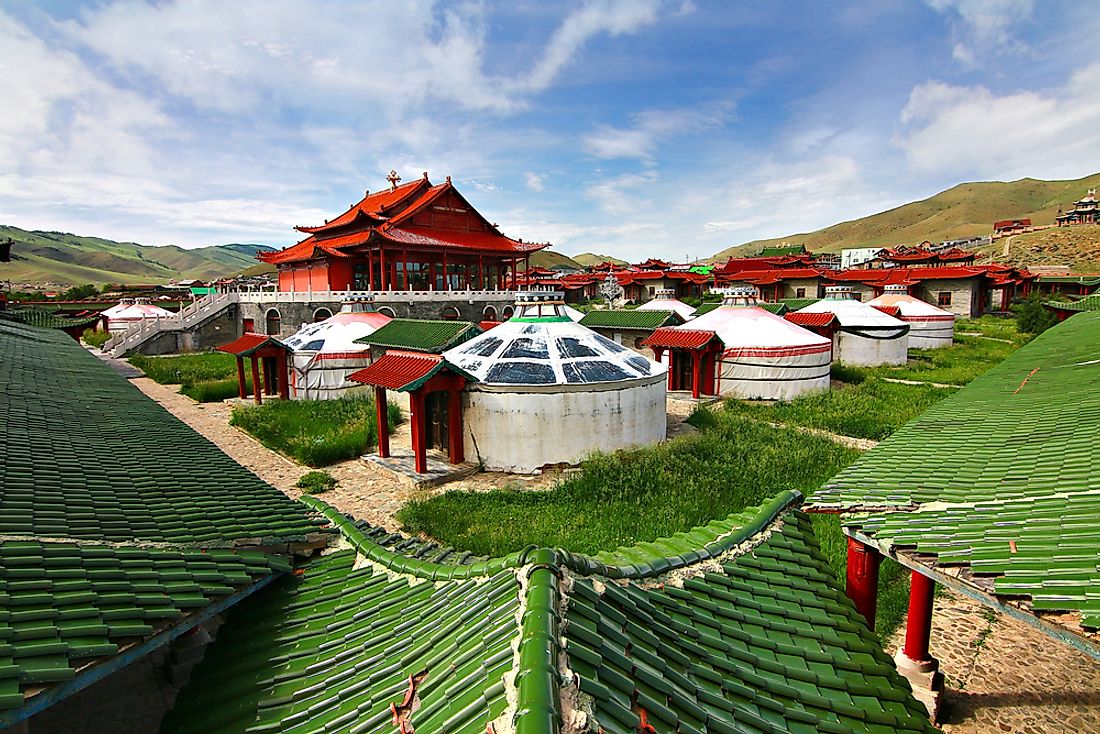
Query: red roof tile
x,y
894,311
374,204
402,371
249,343
811,320
667,337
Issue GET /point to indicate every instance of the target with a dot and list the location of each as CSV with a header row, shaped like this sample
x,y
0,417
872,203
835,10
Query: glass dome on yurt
x,y
131,311
764,357
664,299
551,391
324,353
867,336
930,327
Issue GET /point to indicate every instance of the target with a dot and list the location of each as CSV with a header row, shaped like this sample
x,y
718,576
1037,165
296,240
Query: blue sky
x,y
633,128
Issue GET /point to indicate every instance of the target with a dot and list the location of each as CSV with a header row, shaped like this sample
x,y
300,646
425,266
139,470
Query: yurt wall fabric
x,y
325,353
929,327
867,336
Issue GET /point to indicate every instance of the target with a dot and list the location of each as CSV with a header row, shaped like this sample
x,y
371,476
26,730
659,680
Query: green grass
x,y
185,369
631,496
870,409
315,432
997,327
95,338
316,482
215,391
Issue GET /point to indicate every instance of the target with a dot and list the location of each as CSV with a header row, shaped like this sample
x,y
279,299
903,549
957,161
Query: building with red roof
x,y
411,237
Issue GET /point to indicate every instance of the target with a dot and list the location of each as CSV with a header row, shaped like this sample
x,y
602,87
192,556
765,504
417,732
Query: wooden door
x,y
682,363
436,420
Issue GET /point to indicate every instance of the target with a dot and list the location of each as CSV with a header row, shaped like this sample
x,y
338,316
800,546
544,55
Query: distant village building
x,y
1007,227
411,237
1085,211
666,300
851,257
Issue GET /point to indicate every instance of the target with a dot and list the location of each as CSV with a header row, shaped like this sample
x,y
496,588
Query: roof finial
x,y
448,179
366,193
425,175
393,178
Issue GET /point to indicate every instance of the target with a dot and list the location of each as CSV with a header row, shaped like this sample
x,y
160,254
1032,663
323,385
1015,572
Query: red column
x,y
370,271
454,425
241,389
673,357
862,583
695,374
406,278
515,285
446,275
416,410
480,272
382,267
284,377
383,422
269,375
918,627
257,387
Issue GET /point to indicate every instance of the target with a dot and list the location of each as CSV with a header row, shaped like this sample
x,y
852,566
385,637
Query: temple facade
x,y
414,236
1085,211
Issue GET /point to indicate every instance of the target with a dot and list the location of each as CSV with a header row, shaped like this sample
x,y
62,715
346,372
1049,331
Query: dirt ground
x,y
1002,675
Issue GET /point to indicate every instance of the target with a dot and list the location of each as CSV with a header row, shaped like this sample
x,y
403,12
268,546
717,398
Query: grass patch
x,y
187,369
996,327
626,497
316,482
871,409
315,432
95,338
215,391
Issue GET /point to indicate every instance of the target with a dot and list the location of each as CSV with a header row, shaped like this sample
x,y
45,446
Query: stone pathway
x,y
1006,676
1002,675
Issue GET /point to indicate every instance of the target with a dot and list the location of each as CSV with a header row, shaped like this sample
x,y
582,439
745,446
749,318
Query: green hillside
x,y
590,258
549,259
59,257
966,210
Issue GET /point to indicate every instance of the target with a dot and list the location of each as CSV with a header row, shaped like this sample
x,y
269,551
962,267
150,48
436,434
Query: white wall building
x,y
867,336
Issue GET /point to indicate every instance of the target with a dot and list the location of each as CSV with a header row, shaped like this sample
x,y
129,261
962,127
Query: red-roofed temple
x,y
410,237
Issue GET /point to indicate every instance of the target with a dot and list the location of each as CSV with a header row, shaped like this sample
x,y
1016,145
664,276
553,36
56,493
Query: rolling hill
x,y
62,258
549,259
590,258
966,210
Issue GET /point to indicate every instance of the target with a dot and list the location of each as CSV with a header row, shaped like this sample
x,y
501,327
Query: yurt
x,y
325,353
551,391
664,299
764,356
572,313
867,336
929,327
132,311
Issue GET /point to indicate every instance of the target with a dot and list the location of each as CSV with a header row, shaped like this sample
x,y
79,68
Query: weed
x,y
95,338
316,482
186,369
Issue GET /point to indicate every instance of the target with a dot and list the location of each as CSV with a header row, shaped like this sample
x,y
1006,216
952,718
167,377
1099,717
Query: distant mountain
x,y
549,259
60,257
591,258
966,210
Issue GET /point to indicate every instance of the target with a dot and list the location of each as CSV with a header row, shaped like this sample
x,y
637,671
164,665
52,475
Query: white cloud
x,y
622,194
984,27
971,131
534,181
651,128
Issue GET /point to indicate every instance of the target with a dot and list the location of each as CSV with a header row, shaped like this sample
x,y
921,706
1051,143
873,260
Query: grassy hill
x,y
591,258
548,259
966,210
1078,247
59,257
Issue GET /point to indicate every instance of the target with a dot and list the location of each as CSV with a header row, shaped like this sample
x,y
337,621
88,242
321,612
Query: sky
x,y
631,128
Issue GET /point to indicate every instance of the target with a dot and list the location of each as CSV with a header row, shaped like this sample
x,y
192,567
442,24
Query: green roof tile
x,y
47,319
421,335
757,638
630,319
1004,475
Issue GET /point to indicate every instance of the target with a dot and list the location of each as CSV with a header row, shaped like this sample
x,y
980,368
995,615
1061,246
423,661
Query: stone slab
x,y
400,466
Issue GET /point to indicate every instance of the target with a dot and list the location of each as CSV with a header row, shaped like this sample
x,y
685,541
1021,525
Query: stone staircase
x,y
187,319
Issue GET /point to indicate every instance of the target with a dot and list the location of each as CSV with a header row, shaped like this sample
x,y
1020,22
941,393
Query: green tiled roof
x,y
46,319
777,308
782,250
707,308
1072,279
1002,477
645,320
421,335
794,304
117,520
1088,303
735,627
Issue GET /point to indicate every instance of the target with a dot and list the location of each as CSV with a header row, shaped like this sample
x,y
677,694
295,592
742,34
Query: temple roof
x,y
636,318
1008,504
404,371
735,626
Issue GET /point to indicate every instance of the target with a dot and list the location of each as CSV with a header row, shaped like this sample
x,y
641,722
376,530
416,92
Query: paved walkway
x,y
1002,675
1006,676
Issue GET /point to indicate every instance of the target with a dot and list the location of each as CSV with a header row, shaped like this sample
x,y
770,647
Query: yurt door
x,y
683,366
435,409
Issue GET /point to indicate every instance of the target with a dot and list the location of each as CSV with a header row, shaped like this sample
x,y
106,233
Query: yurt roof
x,y
852,313
544,348
675,305
337,333
908,305
572,313
752,326
138,310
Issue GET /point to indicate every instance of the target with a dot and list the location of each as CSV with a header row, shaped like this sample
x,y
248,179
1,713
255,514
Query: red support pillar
x,y
370,271
416,411
257,387
673,358
446,275
382,267
242,390
480,272
918,627
862,582
383,422
695,360
269,375
284,377
454,425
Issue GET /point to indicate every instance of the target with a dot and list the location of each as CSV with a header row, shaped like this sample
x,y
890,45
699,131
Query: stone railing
x,y
194,314
337,296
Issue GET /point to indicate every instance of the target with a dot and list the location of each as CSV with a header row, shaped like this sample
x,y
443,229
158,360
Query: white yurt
x,y
572,313
324,353
552,391
764,356
867,336
132,311
929,327
664,299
